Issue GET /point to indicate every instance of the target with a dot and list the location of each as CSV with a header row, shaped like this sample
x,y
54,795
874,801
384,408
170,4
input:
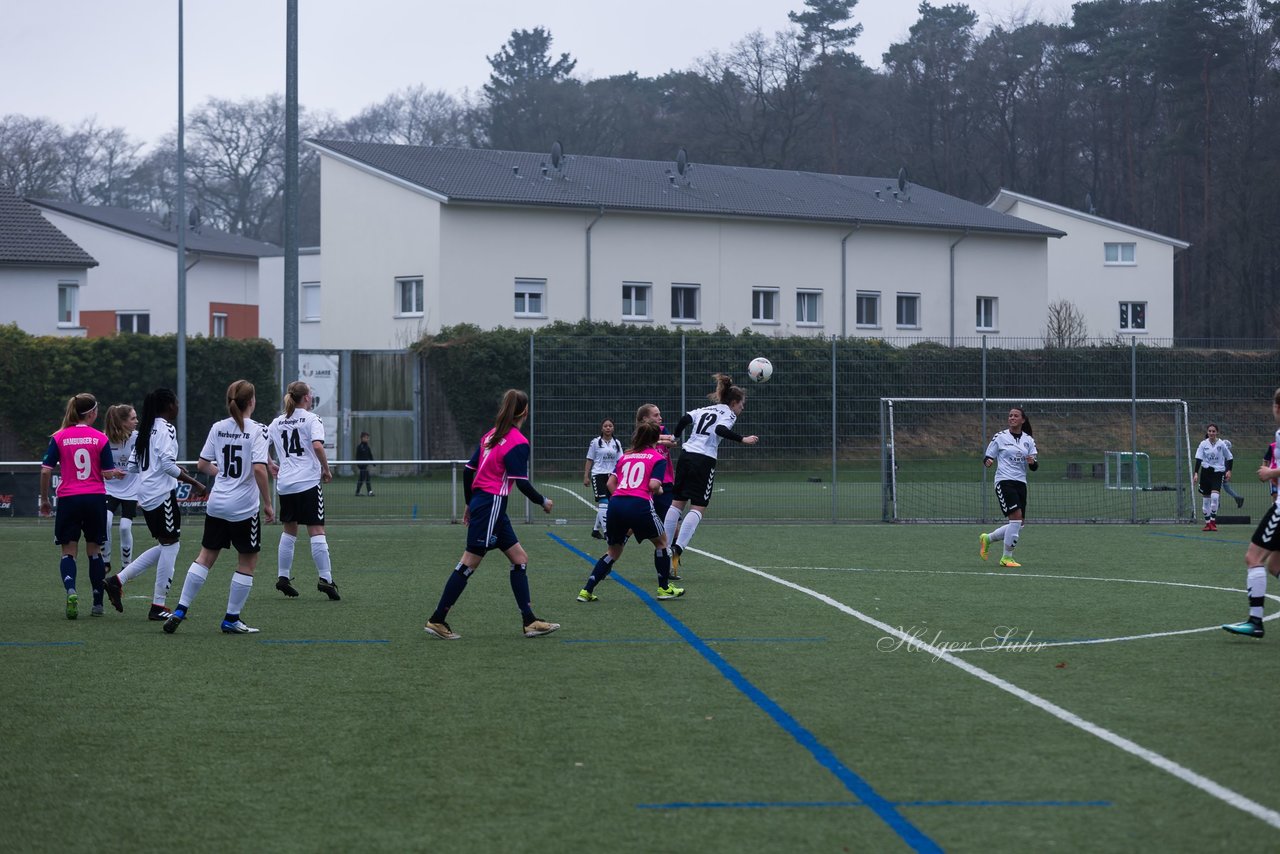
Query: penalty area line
x,y
1181,772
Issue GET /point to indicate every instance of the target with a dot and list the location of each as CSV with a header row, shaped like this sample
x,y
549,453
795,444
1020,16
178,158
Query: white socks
x,y
601,509
126,540
1011,537
687,528
284,566
998,534
1257,583
241,584
145,561
106,547
168,561
320,554
196,575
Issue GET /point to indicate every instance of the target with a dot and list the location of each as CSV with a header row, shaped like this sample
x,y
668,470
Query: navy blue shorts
x,y
662,501
80,513
627,513
489,527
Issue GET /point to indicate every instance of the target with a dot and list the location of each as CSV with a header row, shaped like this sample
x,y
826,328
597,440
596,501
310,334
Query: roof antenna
x,y
557,155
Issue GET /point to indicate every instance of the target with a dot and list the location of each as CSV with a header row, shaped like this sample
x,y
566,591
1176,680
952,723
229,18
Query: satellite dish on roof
x,y
557,154
902,179
193,219
682,160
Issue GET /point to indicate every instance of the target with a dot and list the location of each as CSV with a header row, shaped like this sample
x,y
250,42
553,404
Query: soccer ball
x,y
760,369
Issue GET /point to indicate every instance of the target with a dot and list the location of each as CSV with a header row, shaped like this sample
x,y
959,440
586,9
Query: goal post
x,y
1100,460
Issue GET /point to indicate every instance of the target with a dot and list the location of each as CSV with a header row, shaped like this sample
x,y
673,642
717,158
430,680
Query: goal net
x,y
1099,460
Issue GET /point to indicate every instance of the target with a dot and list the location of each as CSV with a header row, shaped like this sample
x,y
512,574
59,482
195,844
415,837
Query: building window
x,y
410,293
987,317
764,305
635,300
684,303
908,311
309,305
867,309
218,326
1119,253
1133,316
809,308
531,297
133,322
68,303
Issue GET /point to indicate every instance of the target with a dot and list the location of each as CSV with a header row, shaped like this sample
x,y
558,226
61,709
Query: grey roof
x,y
27,239
483,176
207,241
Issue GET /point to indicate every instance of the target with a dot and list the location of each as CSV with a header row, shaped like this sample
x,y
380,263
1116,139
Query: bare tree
x,y
31,156
1065,325
415,116
99,165
236,161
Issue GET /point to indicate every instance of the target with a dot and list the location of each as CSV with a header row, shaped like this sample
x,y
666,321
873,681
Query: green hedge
x,y
38,374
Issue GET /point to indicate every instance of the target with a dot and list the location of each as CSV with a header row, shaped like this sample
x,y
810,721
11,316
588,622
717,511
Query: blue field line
x,y
41,643
1220,542
883,808
708,640
321,640
756,805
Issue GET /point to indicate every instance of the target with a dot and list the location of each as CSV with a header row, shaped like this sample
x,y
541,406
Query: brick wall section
x,y
242,319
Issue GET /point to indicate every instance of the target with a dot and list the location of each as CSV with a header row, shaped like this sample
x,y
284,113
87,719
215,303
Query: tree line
x,y
1153,113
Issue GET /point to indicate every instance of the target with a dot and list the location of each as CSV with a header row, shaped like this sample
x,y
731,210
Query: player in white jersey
x,y
122,494
297,436
235,455
1211,468
1263,555
155,459
602,457
696,471
1013,452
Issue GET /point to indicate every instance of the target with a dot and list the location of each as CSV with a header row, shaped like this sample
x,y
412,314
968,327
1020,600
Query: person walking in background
x,y
364,452
1226,483
1013,452
155,458
297,436
500,459
122,492
83,457
235,455
633,485
696,471
602,455
1263,554
1212,466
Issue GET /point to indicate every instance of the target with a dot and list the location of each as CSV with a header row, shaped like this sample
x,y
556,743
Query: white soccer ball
x,y
760,369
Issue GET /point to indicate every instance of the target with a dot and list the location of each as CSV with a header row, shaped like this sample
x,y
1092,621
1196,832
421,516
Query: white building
x,y
1118,276
416,238
42,271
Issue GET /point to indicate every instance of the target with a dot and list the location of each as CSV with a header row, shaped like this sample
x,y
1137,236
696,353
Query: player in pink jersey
x,y
83,457
501,458
633,484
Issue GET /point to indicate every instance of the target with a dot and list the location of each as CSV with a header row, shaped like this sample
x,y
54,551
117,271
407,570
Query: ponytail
x,y
726,392
514,406
77,408
239,395
155,401
645,436
294,396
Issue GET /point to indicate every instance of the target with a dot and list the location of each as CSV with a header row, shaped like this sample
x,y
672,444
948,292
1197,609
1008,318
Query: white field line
x,y
1048,644
1181,772
590,505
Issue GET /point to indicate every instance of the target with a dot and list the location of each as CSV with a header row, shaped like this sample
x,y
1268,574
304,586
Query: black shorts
x,y
1210,481
630,514
245,535
123,507
303,508
1268,533
164,521
80,513
600,484
1012,495
695,477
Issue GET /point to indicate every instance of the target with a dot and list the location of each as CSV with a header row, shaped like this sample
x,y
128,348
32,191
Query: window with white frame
x,y
310,302
68,303
684,303
809,308
409,296
218,328
1133,316
987,317
531,297
764,305
635,300
1120,253
867,309
133,322
908,311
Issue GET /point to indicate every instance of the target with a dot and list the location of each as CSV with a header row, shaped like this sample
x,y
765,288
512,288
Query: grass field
x,y
819,688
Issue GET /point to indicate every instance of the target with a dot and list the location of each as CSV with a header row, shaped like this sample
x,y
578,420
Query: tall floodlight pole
x,y
182,259
291,196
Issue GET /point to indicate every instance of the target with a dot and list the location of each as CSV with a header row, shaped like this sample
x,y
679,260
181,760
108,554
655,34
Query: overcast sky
x,y
116,60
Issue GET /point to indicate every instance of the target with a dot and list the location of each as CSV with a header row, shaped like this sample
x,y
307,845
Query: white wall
x,y
1077,272
311,334
29,298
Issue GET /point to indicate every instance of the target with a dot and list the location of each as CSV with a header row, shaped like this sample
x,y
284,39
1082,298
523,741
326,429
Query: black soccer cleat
x,y
283,585
328,588
113,587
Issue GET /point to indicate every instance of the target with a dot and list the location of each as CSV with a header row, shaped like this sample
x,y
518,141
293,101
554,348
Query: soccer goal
x,y
1100,460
